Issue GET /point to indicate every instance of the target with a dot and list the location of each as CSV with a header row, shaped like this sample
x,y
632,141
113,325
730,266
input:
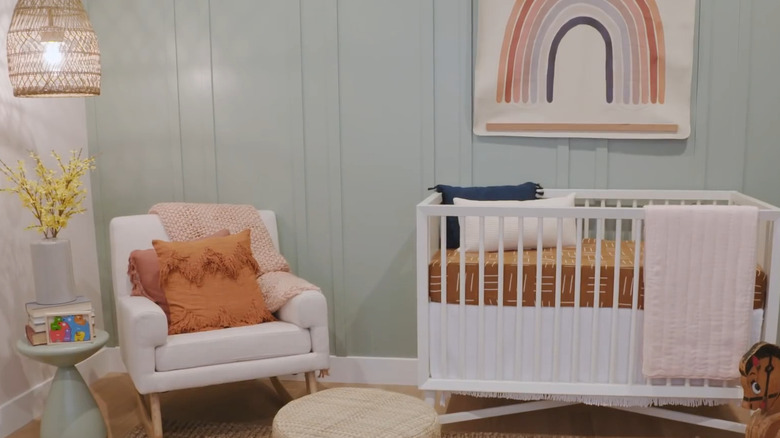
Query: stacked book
x,y
73,321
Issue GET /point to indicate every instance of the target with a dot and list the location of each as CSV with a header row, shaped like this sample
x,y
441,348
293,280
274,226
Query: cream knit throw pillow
x,y
188,221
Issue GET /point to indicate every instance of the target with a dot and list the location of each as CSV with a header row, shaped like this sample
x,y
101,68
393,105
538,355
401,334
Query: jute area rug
x,y
197,429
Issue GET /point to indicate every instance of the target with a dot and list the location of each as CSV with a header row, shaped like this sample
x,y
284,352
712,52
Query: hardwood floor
x,y
256,401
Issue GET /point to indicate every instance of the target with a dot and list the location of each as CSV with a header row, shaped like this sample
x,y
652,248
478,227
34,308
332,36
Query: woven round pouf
x,y
356,413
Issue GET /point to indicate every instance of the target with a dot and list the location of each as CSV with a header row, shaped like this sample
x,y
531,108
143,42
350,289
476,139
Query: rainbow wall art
x,y
584,68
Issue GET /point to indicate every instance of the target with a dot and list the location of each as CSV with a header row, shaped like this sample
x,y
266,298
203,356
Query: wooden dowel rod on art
x,y
583,127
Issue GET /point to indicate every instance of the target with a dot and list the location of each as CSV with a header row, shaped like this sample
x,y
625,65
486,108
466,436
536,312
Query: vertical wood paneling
x,y
762,178
322,261
427,97
196,109
133,126
700,95
467,26
582,162
602,164
256,69
380,61
339,113
562,171
452,91
514,160
136,117
727,106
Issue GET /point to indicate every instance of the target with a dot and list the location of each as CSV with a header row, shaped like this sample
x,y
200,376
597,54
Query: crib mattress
x,y
549,259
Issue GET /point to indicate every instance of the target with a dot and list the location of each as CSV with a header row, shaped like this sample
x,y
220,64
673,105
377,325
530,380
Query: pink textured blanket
x,y
700,266
188,221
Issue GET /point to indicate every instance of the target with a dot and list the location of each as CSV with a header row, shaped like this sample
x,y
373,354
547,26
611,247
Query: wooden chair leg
x,y
281,390
151,416
311,382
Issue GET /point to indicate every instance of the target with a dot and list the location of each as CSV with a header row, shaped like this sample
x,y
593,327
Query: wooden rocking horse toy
x,y
760,380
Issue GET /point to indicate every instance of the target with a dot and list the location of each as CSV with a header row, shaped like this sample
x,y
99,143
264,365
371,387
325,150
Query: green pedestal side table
x,y
70,410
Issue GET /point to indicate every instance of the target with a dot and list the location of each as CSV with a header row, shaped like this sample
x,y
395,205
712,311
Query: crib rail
x,y
516,345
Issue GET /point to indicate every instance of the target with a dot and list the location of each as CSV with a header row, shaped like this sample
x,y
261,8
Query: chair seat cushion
x,y
235,344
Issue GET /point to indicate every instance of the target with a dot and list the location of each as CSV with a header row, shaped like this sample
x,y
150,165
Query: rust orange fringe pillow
x,y
211,283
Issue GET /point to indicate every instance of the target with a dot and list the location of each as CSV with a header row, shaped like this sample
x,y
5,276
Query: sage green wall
x,y
339,113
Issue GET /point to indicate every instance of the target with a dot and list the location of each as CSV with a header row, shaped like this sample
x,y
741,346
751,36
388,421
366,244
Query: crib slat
x,y
519,303
500,304
481,290
558,286
462,304
636,225
443,276
615,300
596,295
538,313
575,337
587,221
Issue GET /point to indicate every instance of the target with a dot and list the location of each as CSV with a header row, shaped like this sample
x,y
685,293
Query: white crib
x,y
556,354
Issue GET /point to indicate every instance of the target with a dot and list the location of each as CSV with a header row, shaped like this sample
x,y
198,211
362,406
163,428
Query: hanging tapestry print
x,y
584,68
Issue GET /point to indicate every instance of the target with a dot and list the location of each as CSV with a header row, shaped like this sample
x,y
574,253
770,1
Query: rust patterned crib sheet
x,y
568,276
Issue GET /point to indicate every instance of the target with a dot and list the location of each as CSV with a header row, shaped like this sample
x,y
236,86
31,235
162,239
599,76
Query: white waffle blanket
x,y
700,266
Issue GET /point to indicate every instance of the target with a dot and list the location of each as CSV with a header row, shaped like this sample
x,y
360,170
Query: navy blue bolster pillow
x,y
522,192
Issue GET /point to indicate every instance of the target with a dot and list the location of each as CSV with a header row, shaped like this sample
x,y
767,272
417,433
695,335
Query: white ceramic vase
x,y
52,265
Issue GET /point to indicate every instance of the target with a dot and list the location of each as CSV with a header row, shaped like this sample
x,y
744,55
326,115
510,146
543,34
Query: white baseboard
x,y
25,407
370,370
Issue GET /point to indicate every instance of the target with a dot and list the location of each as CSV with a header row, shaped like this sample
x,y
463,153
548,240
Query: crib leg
x,y
430,397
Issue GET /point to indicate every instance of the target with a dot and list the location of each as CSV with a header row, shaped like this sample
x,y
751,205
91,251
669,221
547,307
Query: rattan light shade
x,y
52,50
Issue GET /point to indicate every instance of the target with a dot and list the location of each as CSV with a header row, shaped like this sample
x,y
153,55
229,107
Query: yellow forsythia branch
x,y
52,198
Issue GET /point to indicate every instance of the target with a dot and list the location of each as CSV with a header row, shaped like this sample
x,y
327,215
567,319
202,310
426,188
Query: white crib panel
x,y
583,373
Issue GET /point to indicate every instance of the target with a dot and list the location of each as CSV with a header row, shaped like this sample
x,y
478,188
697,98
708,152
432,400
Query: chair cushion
x,y
262,341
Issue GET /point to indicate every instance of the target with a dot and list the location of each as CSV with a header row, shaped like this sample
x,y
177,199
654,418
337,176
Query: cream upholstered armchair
x,y
158,362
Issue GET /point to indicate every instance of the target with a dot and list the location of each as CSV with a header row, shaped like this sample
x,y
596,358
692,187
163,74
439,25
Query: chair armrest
x,y
142,328
307,309
141,322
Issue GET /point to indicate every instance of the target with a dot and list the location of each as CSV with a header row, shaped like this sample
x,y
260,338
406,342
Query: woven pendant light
x,y
52,50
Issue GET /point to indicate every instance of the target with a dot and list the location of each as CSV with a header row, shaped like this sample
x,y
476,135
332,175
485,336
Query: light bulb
x,y
52,54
